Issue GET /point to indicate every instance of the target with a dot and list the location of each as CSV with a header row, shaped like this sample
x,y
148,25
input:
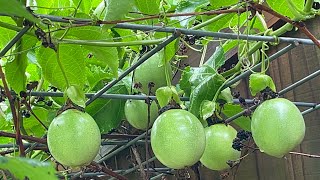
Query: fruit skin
x,y
136,112
150,71
218,151
74,138
277,127
177,138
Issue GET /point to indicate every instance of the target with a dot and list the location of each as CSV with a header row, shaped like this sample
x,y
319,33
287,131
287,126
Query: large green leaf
x,y
222,3
233,109
116,10
217,59
199,74
15,8
6,34
72,61
188,7
16,69
32,125
282,6
84,6
148,7
22,168
204,91
102,56
108,113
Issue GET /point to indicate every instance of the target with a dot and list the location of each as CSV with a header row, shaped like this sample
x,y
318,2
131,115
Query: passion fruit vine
x,y
277,127
177,138
74,138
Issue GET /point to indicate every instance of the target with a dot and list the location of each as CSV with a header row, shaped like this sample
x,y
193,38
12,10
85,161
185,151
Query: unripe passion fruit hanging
x,y
277,127
74,138
219,151
177,138
136,112
151,71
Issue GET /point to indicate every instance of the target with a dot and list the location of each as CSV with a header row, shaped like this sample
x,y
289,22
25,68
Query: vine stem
x,y
61,67
308,6
28,138
109,44
14,113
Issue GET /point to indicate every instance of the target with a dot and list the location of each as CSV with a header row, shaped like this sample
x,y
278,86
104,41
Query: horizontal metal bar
x,y
144,97
184,31
145,57
311,110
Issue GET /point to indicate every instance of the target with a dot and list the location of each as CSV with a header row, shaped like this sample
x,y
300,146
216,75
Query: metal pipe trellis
x,y
144,97
185,31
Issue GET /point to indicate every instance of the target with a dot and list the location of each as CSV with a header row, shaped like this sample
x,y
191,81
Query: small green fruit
x,y
136,112
151,71
74,138
219,151
177,138
277,127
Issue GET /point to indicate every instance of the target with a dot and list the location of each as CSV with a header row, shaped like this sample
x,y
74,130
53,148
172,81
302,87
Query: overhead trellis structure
x,y
174,33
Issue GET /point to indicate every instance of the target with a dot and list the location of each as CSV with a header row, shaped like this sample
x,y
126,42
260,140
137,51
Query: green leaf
x,y
204,91
258,82
164,95
95,75
233,109
188,7
6,34
148,7
16,69
222,3
282,6
200,74
207,109
184,82
22,168
116,10
108,113
226,95
15,8
84,6
217,59
32,125
219,24
72,61
76,95
102,56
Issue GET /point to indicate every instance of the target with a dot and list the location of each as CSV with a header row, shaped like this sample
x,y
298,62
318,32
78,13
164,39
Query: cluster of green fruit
x,y
178,138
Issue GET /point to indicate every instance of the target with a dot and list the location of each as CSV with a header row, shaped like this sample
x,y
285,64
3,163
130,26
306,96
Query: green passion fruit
x,y
136,112
74,138
277,127
151,71
219,151
177,138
